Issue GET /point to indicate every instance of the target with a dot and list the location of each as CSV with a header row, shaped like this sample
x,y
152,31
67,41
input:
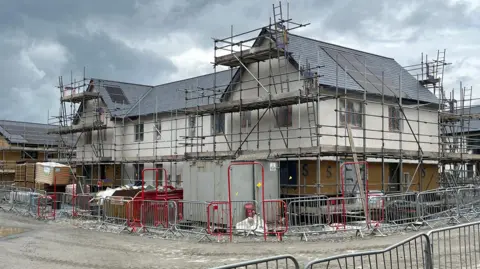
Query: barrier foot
x,y
176,230
205,236
303,235
359,232
377,232
102,226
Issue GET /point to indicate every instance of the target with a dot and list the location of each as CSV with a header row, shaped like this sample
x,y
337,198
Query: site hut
x,y
20,141
124,128
302,142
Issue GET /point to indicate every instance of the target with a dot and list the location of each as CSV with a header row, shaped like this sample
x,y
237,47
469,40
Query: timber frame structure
x,y
274,90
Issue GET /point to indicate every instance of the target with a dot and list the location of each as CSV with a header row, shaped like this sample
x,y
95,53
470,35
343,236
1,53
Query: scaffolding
x,y
279,106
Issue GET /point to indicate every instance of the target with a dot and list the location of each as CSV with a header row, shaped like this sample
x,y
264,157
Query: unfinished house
x,y
286,114
24,141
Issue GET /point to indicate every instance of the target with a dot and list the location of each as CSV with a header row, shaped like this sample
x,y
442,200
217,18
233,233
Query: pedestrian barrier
x,y
450,247
456,247
275,218
305,216
284,262
409,253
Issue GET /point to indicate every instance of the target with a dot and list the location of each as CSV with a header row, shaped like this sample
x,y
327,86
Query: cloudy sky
x,y
152,42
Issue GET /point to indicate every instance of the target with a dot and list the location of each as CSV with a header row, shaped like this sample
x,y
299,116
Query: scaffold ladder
x,y
281,42
312,122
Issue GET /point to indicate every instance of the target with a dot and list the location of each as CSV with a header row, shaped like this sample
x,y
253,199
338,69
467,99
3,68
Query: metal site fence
x,y
299,216
445,248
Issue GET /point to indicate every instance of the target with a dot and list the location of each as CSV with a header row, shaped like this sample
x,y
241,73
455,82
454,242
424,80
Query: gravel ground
x,y
62,245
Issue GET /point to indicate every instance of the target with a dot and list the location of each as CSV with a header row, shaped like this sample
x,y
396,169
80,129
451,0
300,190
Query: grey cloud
x,y
109,37
109,59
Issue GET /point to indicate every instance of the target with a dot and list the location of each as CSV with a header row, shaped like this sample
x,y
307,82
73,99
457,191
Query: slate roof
x,y
148,99
171,96
144,99
132,93
335,59
27,133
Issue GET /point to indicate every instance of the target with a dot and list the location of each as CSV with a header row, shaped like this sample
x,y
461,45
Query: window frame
x,y
192,125
395,122
138,172
157,130
139,131
88,138
218,123
284,117
26,154
349,115
246,119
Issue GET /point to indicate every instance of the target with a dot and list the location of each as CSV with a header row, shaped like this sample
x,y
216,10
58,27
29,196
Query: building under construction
x,y
303,108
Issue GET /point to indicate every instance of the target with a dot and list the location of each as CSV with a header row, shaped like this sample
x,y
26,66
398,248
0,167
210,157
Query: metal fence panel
x,y
278,262
456,247
307,215
468,203
438,207
410,253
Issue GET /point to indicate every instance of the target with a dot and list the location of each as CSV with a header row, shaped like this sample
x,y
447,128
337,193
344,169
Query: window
x,y
191,126
284,116
138,173
88,138
139,132
101,135
157,131
161,173
470,172
352,113
219,124
29,155
246,119
395,119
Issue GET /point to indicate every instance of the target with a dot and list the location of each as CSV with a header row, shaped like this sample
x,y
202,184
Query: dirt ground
x,y
62,245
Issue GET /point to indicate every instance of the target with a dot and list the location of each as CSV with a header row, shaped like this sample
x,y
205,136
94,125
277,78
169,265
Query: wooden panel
x,y
425,179
114,172
11,155
7,177
375,176
3,142
306,185
328,178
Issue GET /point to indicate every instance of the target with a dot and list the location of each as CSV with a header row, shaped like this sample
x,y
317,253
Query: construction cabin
x,y
299,109
21,141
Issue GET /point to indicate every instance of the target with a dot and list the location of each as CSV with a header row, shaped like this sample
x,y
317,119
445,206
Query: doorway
x,y
394,179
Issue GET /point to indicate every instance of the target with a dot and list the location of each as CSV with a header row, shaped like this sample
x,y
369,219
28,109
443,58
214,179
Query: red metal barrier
x,y
275,217
218,214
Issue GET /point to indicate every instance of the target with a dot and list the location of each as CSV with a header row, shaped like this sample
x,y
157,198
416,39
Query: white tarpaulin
x,y
250,225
